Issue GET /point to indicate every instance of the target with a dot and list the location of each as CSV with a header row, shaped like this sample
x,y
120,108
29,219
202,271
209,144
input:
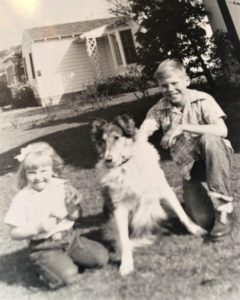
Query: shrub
x,y
5,94
24,97
229,66
134,81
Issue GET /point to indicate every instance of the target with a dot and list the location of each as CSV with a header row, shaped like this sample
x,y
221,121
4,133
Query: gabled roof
x,y
67,29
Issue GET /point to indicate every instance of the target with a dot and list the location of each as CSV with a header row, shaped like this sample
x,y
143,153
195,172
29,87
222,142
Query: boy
x,y
194,130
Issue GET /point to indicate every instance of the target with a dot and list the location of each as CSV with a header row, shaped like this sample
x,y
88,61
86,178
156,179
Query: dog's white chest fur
x,y
140,177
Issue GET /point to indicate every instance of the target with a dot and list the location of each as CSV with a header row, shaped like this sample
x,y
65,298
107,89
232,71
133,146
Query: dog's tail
x,y
143,241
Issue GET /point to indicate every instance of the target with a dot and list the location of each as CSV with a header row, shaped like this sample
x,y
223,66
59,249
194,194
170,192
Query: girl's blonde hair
x,y
36,155
169,67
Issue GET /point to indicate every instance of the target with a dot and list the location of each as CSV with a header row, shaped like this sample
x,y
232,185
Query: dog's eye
x,y
101,142
116,137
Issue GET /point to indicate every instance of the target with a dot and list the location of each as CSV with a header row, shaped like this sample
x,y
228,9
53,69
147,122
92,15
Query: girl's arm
x,y
24,232
28,231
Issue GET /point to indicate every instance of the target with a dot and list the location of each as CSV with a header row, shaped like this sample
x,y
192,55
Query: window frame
x,y
120,46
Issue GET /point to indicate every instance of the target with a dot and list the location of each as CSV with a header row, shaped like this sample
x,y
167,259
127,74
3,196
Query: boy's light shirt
x,y
200,109
31,207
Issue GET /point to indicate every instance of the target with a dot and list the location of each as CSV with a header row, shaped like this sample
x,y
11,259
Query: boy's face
x,y
39,178
174,88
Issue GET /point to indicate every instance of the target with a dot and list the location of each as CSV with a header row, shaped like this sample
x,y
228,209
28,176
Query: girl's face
x,y
39,178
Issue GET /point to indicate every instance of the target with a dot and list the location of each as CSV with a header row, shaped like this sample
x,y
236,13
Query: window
x,y
116,49
32,66
25,68
128,46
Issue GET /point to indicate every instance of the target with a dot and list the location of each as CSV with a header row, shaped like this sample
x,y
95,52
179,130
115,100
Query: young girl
x,y
44,213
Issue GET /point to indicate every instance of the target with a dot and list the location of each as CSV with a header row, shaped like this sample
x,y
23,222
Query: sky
x,y
17,15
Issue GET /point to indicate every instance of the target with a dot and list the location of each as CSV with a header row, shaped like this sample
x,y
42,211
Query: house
x,y
8,74
65,58
224,15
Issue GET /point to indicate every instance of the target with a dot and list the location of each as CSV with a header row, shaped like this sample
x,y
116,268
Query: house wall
x,y
26,49
47,56
63,65
105,58
75,68
215,15
121,70
234,10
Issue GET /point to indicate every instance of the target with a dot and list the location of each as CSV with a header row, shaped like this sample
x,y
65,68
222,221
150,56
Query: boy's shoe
x,y
223,225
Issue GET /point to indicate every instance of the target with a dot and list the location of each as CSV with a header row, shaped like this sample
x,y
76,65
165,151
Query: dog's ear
x,y
127,124
96,126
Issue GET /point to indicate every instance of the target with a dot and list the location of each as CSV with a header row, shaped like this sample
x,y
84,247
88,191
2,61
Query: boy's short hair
x,y
169,67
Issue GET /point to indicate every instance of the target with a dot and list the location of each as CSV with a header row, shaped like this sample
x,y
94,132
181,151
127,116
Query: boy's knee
x,y
210,141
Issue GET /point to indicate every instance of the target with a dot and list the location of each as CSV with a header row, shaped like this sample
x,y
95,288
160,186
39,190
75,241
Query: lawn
x,y
178,266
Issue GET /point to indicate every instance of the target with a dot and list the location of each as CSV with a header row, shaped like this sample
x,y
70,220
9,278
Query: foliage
x,y
133,82
5,94
171,29
121,8
24,97
18,66
228,71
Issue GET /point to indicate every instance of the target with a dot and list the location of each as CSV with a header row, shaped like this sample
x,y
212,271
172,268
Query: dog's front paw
x,y
126,268
197,230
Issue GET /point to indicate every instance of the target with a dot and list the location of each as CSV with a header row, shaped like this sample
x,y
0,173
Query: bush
x,y
5,94
134,81
24,97
229,66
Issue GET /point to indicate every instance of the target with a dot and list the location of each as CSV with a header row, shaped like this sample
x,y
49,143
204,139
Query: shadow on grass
x,y
137,109
16,269
74,145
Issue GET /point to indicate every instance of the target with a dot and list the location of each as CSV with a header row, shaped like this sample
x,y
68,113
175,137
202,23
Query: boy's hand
x,y
170,137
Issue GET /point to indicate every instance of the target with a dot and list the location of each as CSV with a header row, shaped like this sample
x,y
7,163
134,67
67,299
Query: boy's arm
x,y
218,128
147,129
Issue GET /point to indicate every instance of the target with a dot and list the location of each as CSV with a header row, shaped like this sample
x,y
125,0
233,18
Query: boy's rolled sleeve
x,y
211,110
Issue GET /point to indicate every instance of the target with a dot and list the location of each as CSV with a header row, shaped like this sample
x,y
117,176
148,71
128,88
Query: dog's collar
x,y
125,161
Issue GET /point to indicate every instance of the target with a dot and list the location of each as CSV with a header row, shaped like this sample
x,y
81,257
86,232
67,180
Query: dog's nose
x,y
108,158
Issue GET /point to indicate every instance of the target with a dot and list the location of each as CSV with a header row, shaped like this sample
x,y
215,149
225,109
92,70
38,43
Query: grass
x,y
178,266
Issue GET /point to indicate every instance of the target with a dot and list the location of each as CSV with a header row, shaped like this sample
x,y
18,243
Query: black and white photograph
x,y
120,149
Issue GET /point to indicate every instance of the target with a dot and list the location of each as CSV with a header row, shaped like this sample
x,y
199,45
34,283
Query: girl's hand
x,y
48,224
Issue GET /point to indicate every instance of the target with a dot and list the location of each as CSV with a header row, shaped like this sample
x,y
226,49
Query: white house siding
x,y
49,56
26,49
123,69
215,16
62,65
75,68
234,10
105,57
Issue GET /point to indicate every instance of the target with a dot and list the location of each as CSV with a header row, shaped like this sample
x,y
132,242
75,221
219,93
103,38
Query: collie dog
x,y
135,184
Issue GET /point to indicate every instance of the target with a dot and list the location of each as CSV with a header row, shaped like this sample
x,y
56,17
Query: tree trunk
x,y
206,71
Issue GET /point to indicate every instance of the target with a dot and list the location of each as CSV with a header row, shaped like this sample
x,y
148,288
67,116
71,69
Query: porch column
x,y
91,45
